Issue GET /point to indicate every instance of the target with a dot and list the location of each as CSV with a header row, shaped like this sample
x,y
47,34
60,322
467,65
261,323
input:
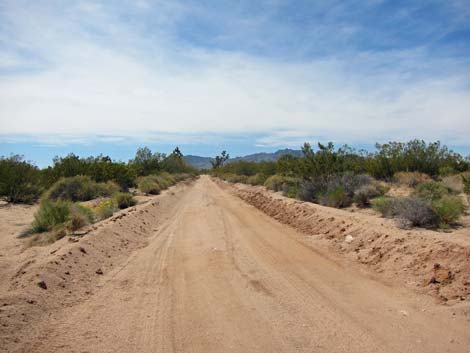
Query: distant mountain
x,y
205,162
198,161
267,157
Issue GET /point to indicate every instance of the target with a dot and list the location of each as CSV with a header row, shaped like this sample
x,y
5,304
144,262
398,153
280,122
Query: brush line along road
x,y
221,276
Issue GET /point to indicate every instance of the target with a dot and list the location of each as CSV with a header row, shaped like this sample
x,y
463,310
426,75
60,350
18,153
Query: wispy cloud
x,y
281,71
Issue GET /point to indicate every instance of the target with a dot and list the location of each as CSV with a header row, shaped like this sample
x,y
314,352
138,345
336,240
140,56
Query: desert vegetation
x,y
434,179
65,190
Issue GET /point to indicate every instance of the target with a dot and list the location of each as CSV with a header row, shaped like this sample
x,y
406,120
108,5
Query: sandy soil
x,y
199,270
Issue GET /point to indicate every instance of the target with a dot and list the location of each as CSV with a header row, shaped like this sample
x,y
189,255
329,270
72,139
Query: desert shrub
x,y
308,191
148,185
383,205
411,179
105,209
234,178
448,209
290,187
453,182
165,180
124,200
466,184
365,193
80,188
337,197
431,191
417,211
274,182
279,182
334,186
79,217
49,215
257,179
19,180
446,171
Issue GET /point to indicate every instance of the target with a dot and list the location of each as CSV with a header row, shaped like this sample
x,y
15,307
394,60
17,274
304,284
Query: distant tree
x,y
146,162
19,180
220,160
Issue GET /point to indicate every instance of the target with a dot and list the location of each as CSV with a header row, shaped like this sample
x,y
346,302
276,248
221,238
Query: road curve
x,y
220,276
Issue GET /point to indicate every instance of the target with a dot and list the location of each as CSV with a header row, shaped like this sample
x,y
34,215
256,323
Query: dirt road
x,y
221,276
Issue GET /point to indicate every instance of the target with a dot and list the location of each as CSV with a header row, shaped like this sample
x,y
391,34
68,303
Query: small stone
x,y
42,284
99,271
82,249
404,312
349,238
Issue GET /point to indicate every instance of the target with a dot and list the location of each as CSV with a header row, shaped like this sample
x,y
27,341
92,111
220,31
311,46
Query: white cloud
x,y
103,78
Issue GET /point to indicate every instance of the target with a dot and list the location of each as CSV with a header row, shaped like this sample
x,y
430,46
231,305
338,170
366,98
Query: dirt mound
x,y
70,270
434,262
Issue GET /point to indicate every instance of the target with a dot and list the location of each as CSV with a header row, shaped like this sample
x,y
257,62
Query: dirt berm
x,y
434,262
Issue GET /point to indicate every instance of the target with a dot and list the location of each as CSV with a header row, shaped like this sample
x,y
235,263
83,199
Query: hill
x,y
205,162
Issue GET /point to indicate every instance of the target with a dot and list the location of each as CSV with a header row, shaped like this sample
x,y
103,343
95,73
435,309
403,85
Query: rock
x,y
99,271
82,249
348,238
404,312
42,284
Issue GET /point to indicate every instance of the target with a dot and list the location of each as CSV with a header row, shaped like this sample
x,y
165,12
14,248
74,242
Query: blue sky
x,y
107,76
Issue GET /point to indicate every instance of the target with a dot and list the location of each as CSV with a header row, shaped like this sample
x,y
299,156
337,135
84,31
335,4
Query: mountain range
x,y
205,162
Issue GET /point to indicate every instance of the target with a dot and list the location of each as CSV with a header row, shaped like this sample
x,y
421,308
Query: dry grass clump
x,y
411,179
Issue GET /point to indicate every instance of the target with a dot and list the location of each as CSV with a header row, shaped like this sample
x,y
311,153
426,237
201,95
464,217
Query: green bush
x,y
466,184
448,210
280,183
124,200
234,178
148,185
257,179
383,205
431,191
105,209
80,188
338,198
19,180
49,215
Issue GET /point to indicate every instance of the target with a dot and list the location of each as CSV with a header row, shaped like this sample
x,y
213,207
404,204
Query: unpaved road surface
x,y
221,276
